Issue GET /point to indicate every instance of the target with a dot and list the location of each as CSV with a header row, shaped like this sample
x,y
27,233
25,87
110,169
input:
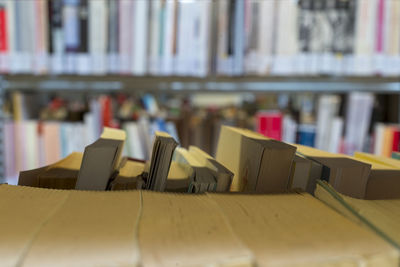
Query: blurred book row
x,y
199,38
42,129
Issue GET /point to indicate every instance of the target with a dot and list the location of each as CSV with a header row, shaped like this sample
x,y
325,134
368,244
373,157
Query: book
x,y
328,109
378,216
204,179
129,175
384,178
396,155
223,175
163,148
269,123
305,173
51,139
180,177
259,164
358,118
101,160
346,174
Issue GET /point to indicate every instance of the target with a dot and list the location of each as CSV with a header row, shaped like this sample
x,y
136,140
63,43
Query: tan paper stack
x,y
259,164
384,179
344,173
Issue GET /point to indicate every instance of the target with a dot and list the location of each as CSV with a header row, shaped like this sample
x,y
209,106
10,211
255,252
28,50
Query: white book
x,y
201,43
185,26
155,31
31,145
146,136
70,14
286,38
139,37
264,53
358,118
336,135
379,131
135,145
366,14
169,35
289,130
98,36
328,108
124,35
392,38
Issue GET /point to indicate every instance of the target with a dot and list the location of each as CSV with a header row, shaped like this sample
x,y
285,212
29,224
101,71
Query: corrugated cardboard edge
x,y
331,198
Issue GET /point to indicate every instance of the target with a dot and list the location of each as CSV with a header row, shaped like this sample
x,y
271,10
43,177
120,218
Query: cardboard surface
x,y
89,229
382,216
298,230
44,227
187,230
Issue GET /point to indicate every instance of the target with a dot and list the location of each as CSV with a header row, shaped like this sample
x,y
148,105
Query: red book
x,y
106,111
269,123
3,29
396,139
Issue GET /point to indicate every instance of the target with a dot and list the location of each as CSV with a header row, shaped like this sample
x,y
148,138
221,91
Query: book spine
x,y
40,56
82,55
113,36
155,32
56,35
98,36
3,28
125,35
139,42
3,37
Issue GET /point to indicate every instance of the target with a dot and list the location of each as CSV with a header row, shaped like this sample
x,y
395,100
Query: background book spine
x,y
113,36
98,36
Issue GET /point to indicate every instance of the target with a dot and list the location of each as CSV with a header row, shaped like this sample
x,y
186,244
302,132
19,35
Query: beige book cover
x,y
379,216
299,230
259,164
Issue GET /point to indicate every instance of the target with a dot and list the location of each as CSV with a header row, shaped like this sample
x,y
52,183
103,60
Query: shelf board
x,y
273,84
